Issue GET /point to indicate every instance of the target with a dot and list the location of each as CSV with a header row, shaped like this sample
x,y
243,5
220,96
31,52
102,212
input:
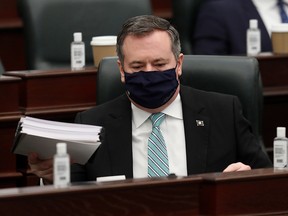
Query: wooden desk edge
x,y
93,185
49,73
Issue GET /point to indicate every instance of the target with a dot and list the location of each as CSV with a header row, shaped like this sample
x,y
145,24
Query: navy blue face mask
x,y
151,89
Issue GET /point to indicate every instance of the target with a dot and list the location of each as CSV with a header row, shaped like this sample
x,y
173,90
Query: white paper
x,y
41,136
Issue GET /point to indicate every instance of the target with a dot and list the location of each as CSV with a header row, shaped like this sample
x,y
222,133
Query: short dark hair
x,y
144,25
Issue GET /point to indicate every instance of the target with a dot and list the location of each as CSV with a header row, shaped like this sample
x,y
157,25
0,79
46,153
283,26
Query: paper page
x,y
46,148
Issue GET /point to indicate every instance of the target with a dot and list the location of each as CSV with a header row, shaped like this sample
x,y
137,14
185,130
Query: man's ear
x,y
121,69
179,64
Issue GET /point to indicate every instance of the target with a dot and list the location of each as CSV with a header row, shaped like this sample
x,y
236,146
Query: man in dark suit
x,y
222,24
202,132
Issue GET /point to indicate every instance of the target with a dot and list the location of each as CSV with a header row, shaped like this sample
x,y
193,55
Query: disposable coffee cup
x,y
103,46
279,37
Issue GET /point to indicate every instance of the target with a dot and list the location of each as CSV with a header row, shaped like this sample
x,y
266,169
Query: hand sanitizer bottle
x,y
77,52
280,148
61,166
253,38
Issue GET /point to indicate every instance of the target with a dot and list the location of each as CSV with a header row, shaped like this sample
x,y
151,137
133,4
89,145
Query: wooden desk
x,y
56,91
256,192
9,88
9,117
56,95
273,69
274,73
11,179
130,197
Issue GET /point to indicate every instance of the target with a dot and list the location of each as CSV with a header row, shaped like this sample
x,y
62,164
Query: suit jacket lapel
x,y
196,134
118,129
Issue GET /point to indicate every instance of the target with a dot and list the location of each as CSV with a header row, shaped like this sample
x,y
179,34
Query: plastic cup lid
x,y
281,27
104,40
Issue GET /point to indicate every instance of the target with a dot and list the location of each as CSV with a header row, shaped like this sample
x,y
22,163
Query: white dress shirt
x,y
269,12
173,132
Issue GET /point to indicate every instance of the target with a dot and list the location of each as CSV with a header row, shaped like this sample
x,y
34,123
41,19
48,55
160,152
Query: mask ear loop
x,y
177,76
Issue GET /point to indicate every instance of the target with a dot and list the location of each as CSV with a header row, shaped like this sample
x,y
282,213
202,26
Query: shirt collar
x,y
174,110
264,4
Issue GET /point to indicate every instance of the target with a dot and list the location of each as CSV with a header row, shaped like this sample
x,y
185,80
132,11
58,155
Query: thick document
x,y
41,136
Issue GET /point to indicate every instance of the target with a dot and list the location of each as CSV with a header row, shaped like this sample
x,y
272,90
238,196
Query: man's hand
x,y
237,167
42,168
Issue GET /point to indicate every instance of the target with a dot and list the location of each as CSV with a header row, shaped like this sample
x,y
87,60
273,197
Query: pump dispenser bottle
x,y
61,166
280,148
253,38
77,52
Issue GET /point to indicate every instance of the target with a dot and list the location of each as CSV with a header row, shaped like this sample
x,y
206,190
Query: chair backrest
x,y
184,18
233,75
49,26
109,85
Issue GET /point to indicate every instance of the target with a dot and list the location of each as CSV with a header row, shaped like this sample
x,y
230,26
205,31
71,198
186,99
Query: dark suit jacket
x,y
221,28
225,137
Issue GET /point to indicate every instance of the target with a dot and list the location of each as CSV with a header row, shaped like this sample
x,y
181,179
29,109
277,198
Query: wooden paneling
x,y
162,8
8,9
57,95
130,197
11,179
274,73
9,97
44,91
11,36
255,192
9,117
7,131
12,51
274,69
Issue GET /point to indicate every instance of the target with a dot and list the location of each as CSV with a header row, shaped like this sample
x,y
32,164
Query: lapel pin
x,y
200,123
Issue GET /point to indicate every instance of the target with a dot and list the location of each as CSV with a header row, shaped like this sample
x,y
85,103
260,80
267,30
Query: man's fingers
x,y
33,158
237,167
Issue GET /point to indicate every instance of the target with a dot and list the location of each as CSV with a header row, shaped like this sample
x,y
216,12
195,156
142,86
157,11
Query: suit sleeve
x,y
249,151
210,34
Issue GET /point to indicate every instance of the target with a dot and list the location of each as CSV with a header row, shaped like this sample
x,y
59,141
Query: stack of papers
x,y
41,136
